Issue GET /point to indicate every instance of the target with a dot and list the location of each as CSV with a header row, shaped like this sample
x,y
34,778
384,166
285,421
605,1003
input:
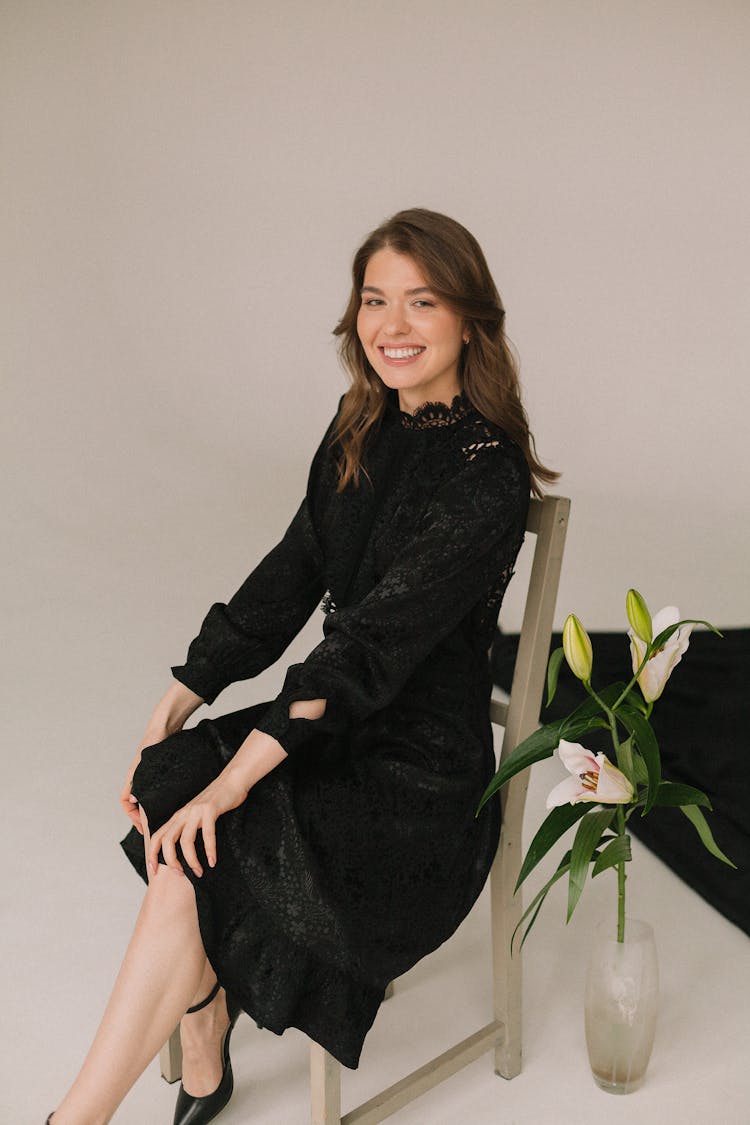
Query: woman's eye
x,y
371,302
423,304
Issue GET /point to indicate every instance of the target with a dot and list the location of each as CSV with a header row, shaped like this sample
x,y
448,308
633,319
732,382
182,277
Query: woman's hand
x,y
172,711
227,792
127,800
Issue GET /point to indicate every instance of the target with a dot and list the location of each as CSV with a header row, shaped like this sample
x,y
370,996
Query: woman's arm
x,y
174,709
257,756
468,536
244,636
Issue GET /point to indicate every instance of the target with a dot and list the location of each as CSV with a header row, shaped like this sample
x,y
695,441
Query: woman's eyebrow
x,y
409,292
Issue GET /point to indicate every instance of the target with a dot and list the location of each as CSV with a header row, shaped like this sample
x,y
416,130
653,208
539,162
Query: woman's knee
x,y
171,889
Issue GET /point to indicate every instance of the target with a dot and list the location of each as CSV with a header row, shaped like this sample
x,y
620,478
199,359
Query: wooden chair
x,y
548,521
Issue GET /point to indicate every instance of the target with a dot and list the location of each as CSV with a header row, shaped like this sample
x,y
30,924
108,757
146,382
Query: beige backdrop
x,y
184,184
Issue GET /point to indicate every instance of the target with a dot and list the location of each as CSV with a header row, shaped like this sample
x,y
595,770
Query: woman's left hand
x,y
227,792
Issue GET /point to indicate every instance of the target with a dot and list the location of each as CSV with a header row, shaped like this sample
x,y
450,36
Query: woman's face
x,y
412,339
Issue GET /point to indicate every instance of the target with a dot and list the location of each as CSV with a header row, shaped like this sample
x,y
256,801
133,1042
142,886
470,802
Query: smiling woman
x,y
303,852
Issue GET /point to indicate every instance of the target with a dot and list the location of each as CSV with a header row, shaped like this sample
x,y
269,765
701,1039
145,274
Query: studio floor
x,y
70,898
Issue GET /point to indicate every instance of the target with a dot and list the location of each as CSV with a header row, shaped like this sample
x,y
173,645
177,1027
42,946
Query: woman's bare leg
x,y
160,976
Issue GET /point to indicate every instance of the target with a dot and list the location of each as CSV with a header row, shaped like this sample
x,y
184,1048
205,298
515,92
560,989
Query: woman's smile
x,y
400,356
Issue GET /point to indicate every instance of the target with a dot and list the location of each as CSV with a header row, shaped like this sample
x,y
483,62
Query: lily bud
x,y
577,648
639,616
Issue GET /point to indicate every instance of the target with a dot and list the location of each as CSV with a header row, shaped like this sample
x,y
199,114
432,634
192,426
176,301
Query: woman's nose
x,y
396,321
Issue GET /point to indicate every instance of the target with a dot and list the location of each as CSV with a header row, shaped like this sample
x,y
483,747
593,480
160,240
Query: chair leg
x,y
170,1057
508,1053
506,913
325,1087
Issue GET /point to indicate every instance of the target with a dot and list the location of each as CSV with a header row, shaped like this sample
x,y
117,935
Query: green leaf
x,y
635,700
588,716
571,730
662,638
536,903
639,768
539,745
551,829
698,820
553,671
675,793
586,840
616,851
645,739
625,760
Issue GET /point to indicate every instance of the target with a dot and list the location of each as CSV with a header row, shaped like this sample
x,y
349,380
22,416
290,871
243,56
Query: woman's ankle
x,y
207,1023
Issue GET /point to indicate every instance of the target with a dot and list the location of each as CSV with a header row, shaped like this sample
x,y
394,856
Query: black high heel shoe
x,y
199,1111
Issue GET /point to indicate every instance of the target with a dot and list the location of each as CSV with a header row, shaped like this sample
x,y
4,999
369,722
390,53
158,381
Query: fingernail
x,y
212,861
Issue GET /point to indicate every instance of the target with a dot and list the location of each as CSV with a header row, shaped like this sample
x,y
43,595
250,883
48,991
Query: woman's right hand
x,y
173,710
129,803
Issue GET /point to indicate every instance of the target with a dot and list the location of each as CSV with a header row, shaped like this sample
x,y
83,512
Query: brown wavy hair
x,y
455,268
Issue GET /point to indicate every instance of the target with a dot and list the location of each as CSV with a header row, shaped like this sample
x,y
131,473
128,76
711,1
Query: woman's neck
x,y
411,398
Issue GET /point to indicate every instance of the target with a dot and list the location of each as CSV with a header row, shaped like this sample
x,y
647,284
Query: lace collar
x,y
432,415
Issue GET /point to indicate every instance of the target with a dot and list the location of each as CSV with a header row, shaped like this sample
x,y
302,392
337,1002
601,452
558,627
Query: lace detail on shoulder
x,y
476,447
432,414
328,605
484,436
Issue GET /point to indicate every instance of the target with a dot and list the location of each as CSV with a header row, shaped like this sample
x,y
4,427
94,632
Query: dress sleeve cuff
x,y
297,736
201,678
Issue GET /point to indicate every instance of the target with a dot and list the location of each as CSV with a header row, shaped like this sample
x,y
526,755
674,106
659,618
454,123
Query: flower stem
x,y
610,713
621,876
621,881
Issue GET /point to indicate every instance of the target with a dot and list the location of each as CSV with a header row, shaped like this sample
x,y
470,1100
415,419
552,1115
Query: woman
x,y
302,853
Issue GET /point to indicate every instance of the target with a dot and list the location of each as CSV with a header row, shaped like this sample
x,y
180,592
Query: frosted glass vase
x,y
622,994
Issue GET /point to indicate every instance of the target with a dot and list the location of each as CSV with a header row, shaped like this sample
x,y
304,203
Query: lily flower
x,y
594,779
660,665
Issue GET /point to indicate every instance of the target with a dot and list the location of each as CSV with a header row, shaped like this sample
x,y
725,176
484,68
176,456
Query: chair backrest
x,y
548,520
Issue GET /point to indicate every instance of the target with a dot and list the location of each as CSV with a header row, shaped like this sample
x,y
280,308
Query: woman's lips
x,y
400,356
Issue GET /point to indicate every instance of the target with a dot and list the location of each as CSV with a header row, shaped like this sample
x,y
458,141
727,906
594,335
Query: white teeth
x,y
402,353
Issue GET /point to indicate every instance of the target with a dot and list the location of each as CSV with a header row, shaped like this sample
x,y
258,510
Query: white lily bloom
x,y
594,779
654,676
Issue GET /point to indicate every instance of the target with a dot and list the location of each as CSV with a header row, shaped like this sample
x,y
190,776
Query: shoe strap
x,y
203,1003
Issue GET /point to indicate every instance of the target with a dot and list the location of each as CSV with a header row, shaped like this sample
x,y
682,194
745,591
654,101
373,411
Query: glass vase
x,y
622,988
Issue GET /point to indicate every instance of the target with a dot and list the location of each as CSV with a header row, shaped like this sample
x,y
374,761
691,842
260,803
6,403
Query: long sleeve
x,y
468,536
243,637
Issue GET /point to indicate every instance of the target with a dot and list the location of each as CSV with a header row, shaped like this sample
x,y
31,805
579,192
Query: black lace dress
x,y
360,852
